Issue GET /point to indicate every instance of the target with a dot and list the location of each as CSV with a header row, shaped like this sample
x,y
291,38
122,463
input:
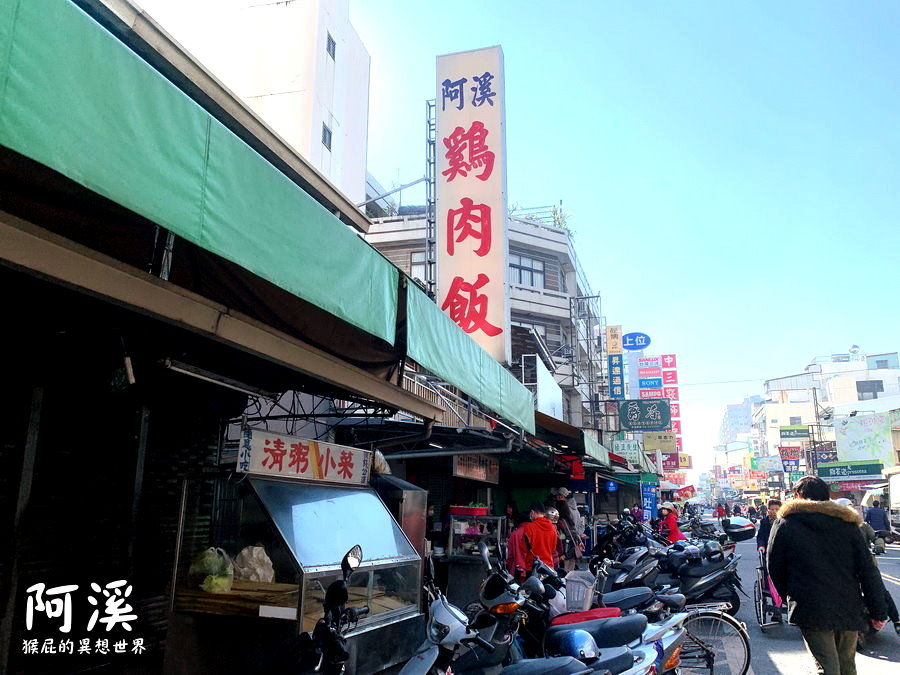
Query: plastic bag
x,y
212,571
253,564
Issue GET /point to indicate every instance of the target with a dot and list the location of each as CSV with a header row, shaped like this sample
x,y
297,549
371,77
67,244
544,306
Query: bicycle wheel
x,y
758,602
714,643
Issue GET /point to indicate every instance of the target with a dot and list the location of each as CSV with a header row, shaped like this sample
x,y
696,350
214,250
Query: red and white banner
x,y
670,376
675,409
471,208
670,393
669,361
650,393
649,372
687,492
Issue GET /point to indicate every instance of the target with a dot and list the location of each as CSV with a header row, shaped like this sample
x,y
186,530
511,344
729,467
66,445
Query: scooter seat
x,y
672,600
608,632
701,570
561,665
589,615
627,598
614,659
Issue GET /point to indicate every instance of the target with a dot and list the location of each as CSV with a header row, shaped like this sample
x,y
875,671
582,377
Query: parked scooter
x,y
325,651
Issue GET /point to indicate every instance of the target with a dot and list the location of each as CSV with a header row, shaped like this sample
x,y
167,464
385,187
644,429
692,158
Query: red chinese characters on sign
x,y
669,361
675,409
469,220
275,453
670,377
468,151
678,445
467,307
345,464
649,372
324,462
670,393
676,426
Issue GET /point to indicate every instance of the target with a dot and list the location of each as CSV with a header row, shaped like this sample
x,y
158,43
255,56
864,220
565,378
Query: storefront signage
x,y
796,475
687,492
650,393
759,475
669,361
616,376
790,464
648,500
650,382
649,362
291,457
635,341
865,437
849,486
629,449
863,471
770,463
650,372
789,452
644,415
614,339
612,486
684,462
471,196
794,431
670,461
477,467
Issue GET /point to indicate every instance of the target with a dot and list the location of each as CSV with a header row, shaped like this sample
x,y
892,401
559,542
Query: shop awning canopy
x,y
79,101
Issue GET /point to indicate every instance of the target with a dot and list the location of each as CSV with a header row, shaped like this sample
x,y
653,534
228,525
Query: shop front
x,y
852,480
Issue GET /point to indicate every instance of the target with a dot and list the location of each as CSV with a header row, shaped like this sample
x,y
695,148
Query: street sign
x,y
635,341
645,415
611,486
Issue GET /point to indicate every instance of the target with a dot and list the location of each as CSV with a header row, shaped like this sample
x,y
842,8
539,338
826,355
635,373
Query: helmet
x,y
692,554
578,644
552,514
712,550
843,501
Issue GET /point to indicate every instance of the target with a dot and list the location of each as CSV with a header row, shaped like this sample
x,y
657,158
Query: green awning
x,y
442,347
77,100
596,450
650,478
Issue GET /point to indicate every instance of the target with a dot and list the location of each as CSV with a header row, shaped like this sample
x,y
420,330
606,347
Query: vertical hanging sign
x,y
470,213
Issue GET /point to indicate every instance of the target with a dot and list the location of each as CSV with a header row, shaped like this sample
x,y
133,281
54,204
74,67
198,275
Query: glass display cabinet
x,y
467,531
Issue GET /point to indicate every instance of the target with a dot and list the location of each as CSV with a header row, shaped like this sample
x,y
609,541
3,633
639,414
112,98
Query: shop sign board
x,y
649,372
796,475
629,449
649,362
635,342
614,339
272,454
794,431
670,461
757,474
471,210
849,486
789,451
685,462
612,486
477,467
670,393
650,382
649,495
675,409
865,437
669,361
616,376
670,377
644,415
791,464
825,456
837,471
650,393
769,463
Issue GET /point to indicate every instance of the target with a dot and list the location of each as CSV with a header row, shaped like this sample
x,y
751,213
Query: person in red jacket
x,y
540,536
668,522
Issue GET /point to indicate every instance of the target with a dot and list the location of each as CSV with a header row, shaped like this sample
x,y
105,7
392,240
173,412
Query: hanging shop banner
x,y
629,449
789,452
650,393
675,409
865,437
676,427
649,362
477,467
791,464
650,382
735,471
794,431
687,492
649,495
644,415
685,462
669,361
670,393
635,342
616,376
823,456
769,463
677,477
291,457
670,461
670,377
471,196
614,339
650,372
759,475
863,471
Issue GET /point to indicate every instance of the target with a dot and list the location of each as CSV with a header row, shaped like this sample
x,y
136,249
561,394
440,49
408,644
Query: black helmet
x,y
692,554
712,551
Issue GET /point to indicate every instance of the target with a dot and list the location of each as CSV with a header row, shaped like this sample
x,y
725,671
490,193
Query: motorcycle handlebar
x,y
356,613
484,644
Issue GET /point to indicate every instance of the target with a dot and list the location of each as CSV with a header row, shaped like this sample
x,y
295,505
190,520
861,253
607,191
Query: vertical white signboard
x,y
470,213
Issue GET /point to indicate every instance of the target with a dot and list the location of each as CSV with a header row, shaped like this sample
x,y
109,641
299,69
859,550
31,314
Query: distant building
x,y
737,419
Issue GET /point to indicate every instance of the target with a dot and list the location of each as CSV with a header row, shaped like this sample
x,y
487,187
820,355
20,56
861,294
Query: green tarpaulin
x,y
595,450
76,99
442,347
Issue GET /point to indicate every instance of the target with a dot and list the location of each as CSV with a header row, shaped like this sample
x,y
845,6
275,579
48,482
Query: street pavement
x,y
780,649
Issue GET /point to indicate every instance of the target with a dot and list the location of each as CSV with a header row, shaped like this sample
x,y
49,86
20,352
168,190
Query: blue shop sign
x,y
650,383
611,486
635,341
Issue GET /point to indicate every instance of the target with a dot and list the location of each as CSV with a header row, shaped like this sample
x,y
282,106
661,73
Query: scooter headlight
x,y
437,631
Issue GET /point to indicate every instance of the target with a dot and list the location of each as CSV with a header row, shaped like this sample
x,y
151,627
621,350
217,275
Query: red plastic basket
x,y
468,510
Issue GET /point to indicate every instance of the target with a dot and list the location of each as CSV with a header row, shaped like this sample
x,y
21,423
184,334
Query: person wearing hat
x,y
668,523
568,526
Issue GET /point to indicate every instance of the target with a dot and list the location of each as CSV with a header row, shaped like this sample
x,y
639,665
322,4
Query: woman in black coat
x,y
818,560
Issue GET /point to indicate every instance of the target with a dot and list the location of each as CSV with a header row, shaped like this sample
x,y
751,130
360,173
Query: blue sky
x,y
730,169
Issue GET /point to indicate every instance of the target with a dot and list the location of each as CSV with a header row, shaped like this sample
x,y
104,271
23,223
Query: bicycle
x,y
765,598
715,642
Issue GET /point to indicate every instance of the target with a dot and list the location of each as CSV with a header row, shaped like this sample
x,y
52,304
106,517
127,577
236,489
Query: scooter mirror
x,y
429,567
352,560
532,586
485,555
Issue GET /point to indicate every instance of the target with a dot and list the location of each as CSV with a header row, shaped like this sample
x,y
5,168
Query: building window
x,y
330,46
538,328
866,390
881,364
795,421
417,264
326,136
526,271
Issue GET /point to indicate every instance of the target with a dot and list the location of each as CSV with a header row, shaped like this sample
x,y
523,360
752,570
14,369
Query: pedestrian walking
x,y
539,536
819,562
877,517
762,537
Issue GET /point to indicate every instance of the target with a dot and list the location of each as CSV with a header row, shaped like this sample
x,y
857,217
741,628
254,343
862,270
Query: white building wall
x,y
273,55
